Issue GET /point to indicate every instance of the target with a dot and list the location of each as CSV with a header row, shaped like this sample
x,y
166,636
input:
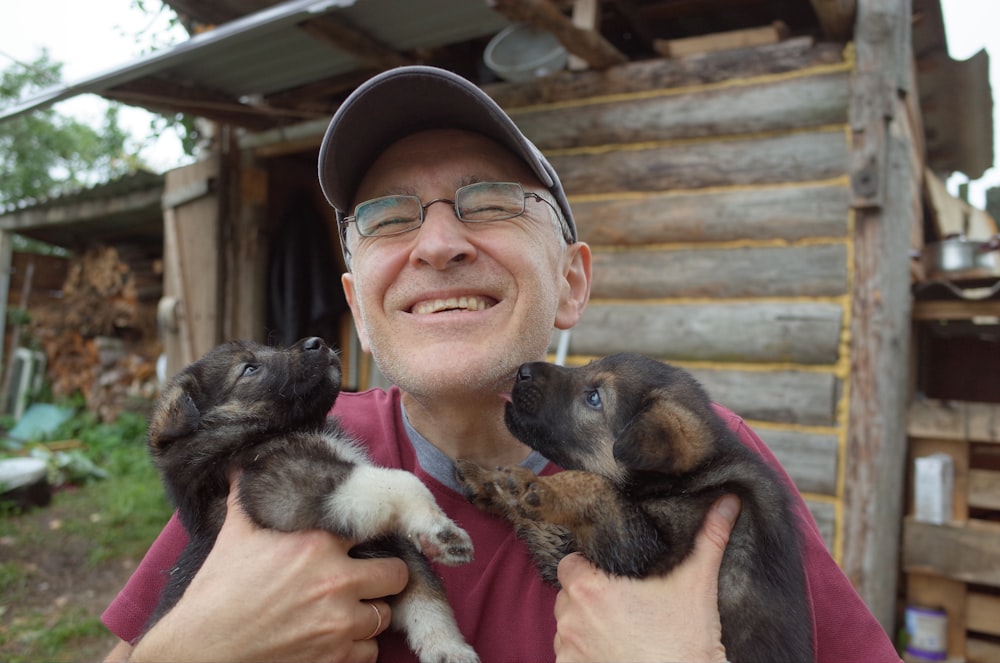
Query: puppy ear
x,y
176,415
664,437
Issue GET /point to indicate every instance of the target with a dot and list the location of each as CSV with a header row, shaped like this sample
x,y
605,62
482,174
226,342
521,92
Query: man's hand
x,y
264,595
671,618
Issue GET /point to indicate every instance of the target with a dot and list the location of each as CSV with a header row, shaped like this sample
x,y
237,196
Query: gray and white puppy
x,y
646,456
263,411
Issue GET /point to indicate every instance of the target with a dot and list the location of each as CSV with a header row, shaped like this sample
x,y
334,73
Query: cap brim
x,y
406,100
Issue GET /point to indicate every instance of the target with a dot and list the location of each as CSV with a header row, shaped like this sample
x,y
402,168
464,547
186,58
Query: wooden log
x,y
811,459
721,41
796,332
770,105
800,271
764,213
781,396
796,157
791,56
962,551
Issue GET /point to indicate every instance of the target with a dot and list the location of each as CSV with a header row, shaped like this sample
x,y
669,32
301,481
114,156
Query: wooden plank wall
x,y
714,193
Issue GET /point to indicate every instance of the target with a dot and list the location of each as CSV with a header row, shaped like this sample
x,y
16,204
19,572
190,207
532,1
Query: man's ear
x,y
576,285
665,437
176,415
347,282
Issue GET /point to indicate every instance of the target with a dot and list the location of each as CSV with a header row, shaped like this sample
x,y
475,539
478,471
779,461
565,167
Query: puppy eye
x,y
593,399
249,369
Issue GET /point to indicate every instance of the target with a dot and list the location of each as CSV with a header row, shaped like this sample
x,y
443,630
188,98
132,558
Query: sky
x,y
92,36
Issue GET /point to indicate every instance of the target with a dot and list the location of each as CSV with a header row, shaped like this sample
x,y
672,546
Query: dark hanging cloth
x,y
305,297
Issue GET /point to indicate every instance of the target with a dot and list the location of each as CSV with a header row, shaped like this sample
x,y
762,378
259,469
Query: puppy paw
x,y
449,652
449,545
440,539
479,486
525,493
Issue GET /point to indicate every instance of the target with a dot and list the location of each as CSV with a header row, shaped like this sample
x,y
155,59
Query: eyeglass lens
x,y
482,201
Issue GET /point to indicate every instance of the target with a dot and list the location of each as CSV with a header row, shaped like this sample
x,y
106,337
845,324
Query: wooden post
x,y
885,181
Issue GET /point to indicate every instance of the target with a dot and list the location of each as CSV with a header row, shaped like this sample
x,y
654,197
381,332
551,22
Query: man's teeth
x,y
452,304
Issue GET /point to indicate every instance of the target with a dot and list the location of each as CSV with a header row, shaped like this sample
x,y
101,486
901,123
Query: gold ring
x,y
378,625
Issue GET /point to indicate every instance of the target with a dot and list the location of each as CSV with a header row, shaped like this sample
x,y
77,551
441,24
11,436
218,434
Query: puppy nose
x,y
524,372
312,343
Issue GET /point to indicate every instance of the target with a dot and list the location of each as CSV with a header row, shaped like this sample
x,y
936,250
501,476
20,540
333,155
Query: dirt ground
x,y
61,588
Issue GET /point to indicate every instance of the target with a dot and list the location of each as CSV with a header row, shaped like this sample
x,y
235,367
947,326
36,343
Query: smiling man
x,y
463,257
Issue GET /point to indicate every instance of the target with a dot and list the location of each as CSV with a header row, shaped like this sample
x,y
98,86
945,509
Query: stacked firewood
x,y
100,338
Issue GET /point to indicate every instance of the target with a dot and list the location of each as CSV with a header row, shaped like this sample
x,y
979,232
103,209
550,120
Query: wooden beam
x,y
168,97
345,37
960,551
836,17
885,177
884,54
955,310
589,45
721,41
586,16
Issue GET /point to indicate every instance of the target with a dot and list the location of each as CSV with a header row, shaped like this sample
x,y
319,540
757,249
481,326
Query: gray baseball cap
x,y
406,100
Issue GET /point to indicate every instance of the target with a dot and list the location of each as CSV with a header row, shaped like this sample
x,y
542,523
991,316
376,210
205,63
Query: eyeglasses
x,y
476,203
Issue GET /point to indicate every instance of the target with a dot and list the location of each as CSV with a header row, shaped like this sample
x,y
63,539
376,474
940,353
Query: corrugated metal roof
x,y
123,211
266,52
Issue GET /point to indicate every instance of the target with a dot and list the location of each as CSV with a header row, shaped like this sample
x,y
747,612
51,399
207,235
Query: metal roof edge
x,y
258,23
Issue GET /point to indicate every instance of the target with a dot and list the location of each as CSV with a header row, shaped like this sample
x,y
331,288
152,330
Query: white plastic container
x,y
934,478
521,53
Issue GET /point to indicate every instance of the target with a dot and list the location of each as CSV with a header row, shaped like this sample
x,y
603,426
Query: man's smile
x,y
464,303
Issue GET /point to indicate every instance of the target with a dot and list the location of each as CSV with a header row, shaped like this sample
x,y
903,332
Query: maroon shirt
x,y
503,608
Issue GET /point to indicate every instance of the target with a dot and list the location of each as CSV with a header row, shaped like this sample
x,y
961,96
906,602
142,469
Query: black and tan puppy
x,y
263,411
645,457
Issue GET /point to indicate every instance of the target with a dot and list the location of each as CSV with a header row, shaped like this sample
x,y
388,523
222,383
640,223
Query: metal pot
x,y
961,256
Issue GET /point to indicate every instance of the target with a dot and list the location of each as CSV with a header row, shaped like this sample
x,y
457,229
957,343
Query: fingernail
x,y
729,507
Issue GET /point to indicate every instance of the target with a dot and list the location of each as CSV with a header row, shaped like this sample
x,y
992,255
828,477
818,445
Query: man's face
x,y
454,307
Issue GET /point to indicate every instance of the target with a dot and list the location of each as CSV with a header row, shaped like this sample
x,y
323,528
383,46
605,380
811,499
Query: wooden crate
x,y
955,566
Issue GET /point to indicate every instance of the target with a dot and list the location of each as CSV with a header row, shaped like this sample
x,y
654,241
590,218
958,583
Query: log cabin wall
x,y
716,193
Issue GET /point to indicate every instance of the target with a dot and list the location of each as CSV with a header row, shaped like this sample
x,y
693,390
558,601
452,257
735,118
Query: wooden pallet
x,y
955,566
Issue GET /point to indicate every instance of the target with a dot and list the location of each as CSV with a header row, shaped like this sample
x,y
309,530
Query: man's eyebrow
x,y
470,179
394,191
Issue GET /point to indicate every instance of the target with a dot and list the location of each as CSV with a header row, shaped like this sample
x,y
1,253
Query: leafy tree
x,y
44,153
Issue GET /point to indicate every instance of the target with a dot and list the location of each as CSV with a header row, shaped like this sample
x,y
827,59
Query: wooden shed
x,y
750,174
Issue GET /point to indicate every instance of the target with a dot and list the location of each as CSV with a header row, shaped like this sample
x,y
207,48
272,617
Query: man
x,y
463,257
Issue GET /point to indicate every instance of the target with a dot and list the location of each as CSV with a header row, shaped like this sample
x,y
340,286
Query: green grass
x,y
59,565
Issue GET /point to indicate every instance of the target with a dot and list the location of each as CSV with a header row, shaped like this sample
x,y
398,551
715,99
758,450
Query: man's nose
x,y
443,239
